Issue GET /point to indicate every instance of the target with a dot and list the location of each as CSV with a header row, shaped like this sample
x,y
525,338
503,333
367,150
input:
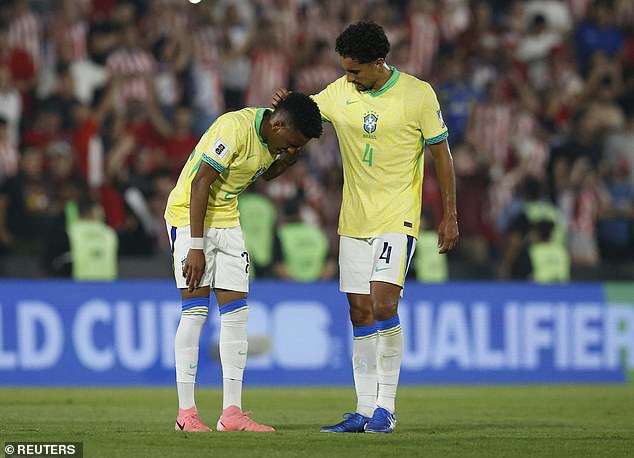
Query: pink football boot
x,y
234,419
188,421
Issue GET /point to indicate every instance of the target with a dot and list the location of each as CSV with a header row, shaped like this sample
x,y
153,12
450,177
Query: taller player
x,y
207,245
383,119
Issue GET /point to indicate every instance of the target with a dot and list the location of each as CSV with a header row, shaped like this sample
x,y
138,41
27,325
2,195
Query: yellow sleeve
x,y
432,125
327,100
219,144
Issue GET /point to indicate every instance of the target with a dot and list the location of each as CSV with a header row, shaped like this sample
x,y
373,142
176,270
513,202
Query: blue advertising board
x,y
66,333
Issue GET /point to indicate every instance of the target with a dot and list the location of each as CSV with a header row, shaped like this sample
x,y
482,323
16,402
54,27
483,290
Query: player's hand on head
x,y
447,234
278,96
291,155
194,268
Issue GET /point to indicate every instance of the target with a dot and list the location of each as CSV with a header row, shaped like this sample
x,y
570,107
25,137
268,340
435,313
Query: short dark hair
x,y
364,42
303,114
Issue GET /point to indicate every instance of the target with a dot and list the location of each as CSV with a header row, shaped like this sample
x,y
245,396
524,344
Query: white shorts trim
x,y
384,258
226,258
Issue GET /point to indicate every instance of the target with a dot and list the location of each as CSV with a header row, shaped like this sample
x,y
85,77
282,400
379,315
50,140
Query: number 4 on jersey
x,y
367,154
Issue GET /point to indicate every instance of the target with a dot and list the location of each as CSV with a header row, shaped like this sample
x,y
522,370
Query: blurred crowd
x,y
107,98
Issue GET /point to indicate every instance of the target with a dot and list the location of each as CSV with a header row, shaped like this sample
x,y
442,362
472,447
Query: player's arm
x,y
279,166
195,264
448,228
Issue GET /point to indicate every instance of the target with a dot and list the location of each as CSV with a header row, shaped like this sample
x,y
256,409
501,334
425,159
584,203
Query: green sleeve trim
x,y
437,138
219,167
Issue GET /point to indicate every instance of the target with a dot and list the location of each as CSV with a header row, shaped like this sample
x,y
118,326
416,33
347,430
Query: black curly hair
x,y
364,42
303,114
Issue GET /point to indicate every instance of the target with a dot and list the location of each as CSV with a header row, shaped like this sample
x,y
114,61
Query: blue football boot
x,y
352,423
382,421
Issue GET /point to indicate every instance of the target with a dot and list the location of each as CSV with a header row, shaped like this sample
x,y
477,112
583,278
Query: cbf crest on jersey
x,y
370,121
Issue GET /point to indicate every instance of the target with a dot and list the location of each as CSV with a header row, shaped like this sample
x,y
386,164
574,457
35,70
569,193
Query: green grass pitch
x,y
505,421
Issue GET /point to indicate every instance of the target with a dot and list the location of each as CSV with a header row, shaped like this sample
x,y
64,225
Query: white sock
x,y
389,354
186,355
233,350
364,368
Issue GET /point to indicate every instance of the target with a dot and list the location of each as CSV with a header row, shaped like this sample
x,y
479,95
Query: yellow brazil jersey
x,y
232,146
382,137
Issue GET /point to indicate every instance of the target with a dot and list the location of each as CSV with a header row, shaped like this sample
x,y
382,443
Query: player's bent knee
x,y
361,316
384,310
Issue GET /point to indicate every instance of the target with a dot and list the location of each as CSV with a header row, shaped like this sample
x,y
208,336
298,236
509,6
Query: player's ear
x,y
380,62
278,121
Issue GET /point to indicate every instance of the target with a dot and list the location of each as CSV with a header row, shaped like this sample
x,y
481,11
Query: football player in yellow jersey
x,y
208,248
383,119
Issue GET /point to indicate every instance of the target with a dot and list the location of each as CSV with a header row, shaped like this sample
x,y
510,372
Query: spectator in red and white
x,y
424,36
489,128
10,105
68,48
270,65
20,65
283,14
68,27
26,30
133,67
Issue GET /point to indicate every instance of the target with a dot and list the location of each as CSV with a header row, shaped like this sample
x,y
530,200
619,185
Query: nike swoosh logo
x,y
381,269
179,425
193,366
350,102
242,352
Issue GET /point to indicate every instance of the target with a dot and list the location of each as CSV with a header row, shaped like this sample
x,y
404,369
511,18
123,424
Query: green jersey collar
x,y
259,114
388,84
